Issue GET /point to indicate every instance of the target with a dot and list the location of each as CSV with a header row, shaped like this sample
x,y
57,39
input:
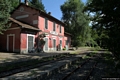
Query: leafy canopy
x,y
14,4
5,8
37,4
76,21
106,20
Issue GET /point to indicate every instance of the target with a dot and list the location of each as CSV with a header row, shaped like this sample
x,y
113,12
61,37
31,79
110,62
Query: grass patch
x,y
75,52
97,48
92,54
111,67
85,57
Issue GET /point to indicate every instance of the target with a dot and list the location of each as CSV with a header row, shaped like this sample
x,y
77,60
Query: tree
x,y
107,18
5,8
37,4
14,4
76,21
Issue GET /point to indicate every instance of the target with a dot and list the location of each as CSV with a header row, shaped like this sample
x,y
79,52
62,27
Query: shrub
x,y
64,48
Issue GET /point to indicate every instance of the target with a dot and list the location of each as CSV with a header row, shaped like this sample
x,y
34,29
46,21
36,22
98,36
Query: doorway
x,y
10,42
54,44
46,44
60,44
30,42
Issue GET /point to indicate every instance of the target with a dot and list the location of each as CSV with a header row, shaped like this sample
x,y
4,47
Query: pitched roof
x,y
23,25
41,12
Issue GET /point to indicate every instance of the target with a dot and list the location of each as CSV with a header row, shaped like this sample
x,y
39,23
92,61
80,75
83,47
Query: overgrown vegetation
x,y
37,4
5,8
112,66
14,4
104,15
77,22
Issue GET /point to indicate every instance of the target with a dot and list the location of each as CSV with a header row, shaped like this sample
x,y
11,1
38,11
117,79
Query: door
x,y
66,44
30,43
46,44
54,44
60,44
10,44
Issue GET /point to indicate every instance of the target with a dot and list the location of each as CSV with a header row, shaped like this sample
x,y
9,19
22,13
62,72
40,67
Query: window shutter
x,y
46,23
60,29
54,26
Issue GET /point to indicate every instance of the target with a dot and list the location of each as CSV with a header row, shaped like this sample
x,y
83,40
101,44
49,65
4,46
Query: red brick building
x,y
27,24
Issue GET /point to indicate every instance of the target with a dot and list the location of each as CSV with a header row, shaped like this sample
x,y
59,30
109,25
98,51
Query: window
x,y
60,42
60,29
35,21
54,26
46,23
66,42
46,44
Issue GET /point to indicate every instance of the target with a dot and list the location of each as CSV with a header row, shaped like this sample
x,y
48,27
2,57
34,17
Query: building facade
x,y
27,24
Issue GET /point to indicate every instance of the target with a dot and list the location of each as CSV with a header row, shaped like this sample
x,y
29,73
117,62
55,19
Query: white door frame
x,y
45,43
66,43
60,44
33,39
55,44
8,41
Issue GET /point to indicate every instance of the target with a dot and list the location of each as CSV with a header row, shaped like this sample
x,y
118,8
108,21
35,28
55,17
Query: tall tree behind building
x,y
107,19
5,8
14,4
76,21
37,4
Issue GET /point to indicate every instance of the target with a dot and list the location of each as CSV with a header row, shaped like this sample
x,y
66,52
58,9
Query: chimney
x,y
26,2
49,13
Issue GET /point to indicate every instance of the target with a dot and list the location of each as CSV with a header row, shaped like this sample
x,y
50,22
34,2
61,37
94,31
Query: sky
x,y
53,6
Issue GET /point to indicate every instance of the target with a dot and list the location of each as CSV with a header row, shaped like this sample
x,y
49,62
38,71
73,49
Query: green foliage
x,y
14,4
42,42
5,8
106,21
64,48
76,21
37,4
85,57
